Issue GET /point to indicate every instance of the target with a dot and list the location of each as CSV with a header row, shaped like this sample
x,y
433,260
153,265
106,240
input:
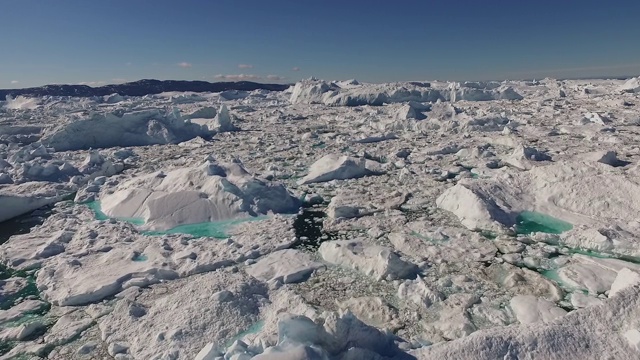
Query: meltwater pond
x,y
29,290
529,222
440,240
253,329
97,210
217,229
140,258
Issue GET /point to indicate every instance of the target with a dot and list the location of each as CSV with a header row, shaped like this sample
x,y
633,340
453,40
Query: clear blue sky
x,y
92,41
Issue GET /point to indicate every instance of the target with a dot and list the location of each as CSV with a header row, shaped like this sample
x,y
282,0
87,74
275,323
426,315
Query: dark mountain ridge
x,y
139,88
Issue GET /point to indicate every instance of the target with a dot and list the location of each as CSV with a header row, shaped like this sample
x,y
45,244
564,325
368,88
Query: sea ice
x,y
466,220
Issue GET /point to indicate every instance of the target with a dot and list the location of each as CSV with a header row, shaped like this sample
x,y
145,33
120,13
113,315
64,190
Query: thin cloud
x,y
14,82
245,66
238,77
576,69
588,68
119,80
295,68
92,83
184,65
275,77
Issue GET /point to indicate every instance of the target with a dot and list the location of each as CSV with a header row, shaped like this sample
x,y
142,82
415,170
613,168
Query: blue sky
x,y
96,42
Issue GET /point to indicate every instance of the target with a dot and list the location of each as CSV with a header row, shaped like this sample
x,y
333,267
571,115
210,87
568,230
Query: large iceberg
x,y
606,201
210,192
631,86
142,127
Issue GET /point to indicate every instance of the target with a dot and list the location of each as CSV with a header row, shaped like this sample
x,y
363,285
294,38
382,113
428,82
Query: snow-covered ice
x,y
333,220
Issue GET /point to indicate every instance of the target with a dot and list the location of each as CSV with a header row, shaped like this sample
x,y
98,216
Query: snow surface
x,y
472,220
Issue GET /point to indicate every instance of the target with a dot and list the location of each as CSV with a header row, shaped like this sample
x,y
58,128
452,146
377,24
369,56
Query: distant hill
x,y
140,88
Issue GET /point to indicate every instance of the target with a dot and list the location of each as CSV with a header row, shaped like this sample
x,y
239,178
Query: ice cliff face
x,y
332,94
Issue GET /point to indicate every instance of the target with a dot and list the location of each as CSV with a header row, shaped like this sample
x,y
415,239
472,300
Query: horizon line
x,y
600,77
